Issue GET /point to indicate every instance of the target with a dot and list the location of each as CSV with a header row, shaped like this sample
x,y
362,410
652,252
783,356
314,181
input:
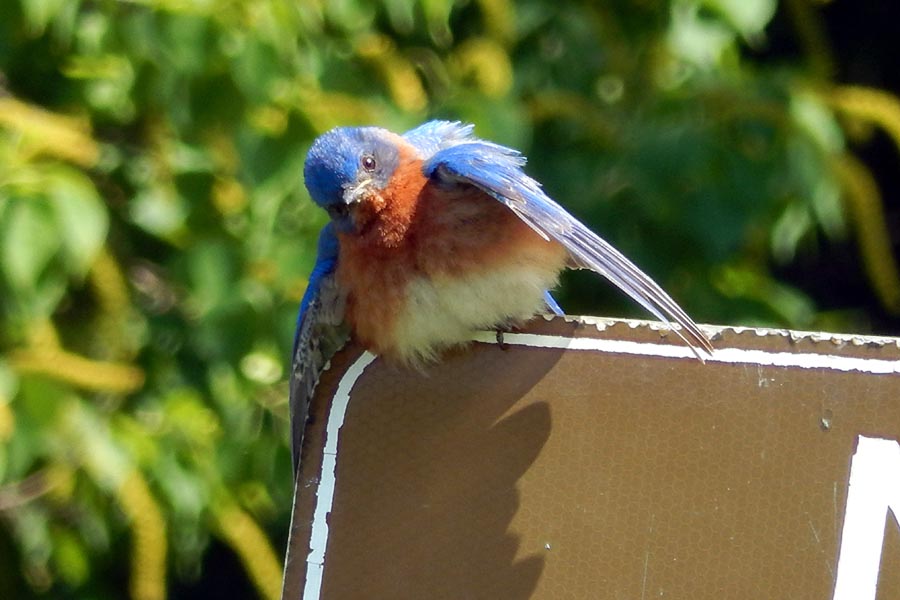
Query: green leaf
x,y
81,218
39,13
28,242
816,121
9,381
748,17
70,558
211,271
698,40
159,210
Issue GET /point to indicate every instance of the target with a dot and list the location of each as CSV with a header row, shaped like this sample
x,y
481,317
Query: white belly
x,y
448,311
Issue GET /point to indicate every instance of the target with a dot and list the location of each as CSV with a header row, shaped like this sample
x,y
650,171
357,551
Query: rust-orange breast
x,y
416,229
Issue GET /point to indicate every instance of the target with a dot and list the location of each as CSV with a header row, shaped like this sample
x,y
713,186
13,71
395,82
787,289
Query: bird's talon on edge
x,y
500,343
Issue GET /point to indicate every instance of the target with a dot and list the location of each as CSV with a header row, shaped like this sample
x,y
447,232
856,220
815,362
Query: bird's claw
x,y
500,343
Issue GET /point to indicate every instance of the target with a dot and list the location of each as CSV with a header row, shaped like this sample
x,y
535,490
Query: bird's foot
x,y
502,330
500,343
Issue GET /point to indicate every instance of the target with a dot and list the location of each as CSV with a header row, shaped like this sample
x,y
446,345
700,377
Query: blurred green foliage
x,y
155,233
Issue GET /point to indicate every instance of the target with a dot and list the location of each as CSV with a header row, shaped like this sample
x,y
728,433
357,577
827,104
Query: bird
x,y
434,235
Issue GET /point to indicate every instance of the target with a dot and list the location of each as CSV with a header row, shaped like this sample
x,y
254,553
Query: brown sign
x,y
599,459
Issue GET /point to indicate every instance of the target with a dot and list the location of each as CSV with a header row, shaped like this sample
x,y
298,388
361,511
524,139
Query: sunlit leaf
x,y
29,239
815,119
702,42
80,216
748,17
159,211
70,557
39,13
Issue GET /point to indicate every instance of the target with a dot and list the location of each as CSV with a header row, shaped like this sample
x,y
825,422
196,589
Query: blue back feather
x,y
433,136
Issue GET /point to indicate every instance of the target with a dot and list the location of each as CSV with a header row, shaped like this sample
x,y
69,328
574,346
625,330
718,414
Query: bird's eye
x,y
368,162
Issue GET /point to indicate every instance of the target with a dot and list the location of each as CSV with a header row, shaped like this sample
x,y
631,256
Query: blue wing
x,y
319,334
497,171
552,305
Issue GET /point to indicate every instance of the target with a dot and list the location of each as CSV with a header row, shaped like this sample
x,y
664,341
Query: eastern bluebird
x,y
434,235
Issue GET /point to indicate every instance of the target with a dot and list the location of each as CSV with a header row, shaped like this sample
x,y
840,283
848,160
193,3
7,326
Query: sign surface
x,y
599,459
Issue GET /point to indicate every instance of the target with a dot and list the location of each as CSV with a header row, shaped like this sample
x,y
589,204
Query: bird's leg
x,y
501,330
500,343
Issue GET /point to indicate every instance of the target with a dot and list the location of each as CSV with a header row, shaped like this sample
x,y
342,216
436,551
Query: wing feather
x,y
497,171
320,333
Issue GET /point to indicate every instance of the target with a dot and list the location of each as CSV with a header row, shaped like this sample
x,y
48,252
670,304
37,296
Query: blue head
x,y
347,164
